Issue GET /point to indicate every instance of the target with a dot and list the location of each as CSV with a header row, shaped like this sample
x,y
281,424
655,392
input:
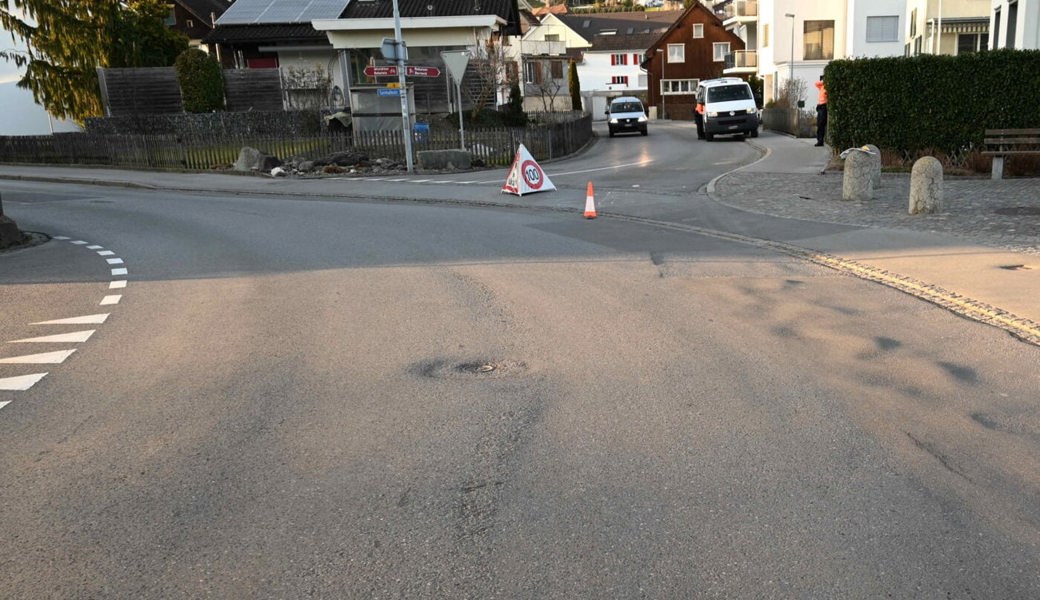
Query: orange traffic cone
x,y
590,204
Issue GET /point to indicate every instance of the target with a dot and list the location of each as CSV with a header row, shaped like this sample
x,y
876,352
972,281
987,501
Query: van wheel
x,y
708,137
643,132
754,132
611,133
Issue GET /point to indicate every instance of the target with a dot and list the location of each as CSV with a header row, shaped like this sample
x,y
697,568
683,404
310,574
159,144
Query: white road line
x,y
114,261
95,247
61,338
84,320
116,285
21,383
119,271
3,404
79,243
110,300
105,253
61,237
635,164
45,358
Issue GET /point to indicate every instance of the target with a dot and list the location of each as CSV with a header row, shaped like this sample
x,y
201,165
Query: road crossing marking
x,y
61,338
23,383
84,320
44,358
20,383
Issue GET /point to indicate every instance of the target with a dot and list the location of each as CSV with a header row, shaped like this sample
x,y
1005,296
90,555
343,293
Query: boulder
x,y
875,173
926,183
347,159
251,159
306,165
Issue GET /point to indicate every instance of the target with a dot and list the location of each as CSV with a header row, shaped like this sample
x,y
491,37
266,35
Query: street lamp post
x,y
790,75
661,86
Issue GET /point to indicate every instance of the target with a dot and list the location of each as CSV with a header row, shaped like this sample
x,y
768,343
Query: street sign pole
x,y
406,125
456,62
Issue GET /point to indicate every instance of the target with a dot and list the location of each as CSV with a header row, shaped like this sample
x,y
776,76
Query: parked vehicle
x,y
726,106
626,115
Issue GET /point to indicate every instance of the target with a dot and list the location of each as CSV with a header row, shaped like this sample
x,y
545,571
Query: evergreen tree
x,y
66,41
575,85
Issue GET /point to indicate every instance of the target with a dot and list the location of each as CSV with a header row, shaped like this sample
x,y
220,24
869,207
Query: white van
x,y
626,114
726,106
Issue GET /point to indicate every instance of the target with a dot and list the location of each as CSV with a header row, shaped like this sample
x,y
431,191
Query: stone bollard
x,y
926,182
875,173
856,183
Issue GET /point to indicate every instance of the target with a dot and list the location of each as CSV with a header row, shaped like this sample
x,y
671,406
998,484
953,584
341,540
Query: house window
x,y
819,40
532,72
619,59
698,31
913,23
171,17
676,53
968,43
619,80
635,59
719,50
1012,24
883,29
552,37
765,35
556,69
996,29
673,87
189,23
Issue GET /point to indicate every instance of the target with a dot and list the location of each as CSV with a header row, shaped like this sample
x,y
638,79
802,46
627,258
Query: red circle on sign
x,y
532,174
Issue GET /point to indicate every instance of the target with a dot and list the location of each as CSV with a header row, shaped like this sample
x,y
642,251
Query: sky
x,y
19,115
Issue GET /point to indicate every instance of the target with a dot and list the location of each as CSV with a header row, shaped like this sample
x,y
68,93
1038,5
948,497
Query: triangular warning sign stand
x,y
525,176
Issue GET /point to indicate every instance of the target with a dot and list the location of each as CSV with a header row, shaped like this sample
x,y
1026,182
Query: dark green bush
x,y
940,103
202,85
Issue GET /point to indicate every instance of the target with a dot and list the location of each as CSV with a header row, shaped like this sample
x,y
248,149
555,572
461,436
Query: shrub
x,y
942,103
202,86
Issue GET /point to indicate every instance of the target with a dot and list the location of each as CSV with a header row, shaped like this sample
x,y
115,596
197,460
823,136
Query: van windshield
x,y
626,107
726,93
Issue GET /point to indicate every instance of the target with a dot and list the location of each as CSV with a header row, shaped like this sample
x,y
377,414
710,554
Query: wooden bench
x,y
1002,142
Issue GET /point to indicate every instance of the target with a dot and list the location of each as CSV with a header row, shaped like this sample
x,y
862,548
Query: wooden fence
x,y
495,146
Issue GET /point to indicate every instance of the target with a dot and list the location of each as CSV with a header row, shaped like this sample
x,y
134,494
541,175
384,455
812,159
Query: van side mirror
x,y
606,112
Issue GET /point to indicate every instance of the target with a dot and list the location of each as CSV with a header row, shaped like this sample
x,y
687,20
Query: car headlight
x,y
752,111
711,114
642,118
613,120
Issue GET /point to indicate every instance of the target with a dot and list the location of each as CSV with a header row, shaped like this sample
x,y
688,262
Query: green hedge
x,y
935,103
202,84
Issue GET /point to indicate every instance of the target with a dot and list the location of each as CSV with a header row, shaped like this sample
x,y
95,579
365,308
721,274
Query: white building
x,y
946,26
797,38
1015,24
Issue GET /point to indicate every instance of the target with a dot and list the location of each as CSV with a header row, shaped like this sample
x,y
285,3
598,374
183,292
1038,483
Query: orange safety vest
x,y
822,98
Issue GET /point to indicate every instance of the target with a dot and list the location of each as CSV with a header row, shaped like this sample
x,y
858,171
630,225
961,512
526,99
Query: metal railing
x,y
742,59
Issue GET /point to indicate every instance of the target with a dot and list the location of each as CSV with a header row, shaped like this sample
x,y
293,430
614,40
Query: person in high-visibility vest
x,y
821,112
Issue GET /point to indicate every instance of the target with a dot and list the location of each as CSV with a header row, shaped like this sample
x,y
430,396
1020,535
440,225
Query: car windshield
x,y
726,93
626,107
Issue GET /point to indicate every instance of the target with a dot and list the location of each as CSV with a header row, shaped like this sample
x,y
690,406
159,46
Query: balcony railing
x,y
543,48
742,8
742,59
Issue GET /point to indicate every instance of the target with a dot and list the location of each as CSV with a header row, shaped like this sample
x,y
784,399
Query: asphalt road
x,y
299,397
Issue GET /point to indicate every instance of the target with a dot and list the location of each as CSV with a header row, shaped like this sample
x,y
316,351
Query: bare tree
x,y
491,66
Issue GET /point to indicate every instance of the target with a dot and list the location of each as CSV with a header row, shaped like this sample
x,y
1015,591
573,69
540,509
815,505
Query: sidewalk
x,y
980,257
984,245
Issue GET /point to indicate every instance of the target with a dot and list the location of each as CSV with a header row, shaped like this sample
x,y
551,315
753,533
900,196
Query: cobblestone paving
x,y
1002,214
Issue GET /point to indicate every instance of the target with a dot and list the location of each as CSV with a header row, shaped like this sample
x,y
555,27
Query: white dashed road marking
x,y
21,383
44,358
61,338
85,320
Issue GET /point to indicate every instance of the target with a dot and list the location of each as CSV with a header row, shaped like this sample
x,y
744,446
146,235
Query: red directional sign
x,y
417,71
409,70
373,71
